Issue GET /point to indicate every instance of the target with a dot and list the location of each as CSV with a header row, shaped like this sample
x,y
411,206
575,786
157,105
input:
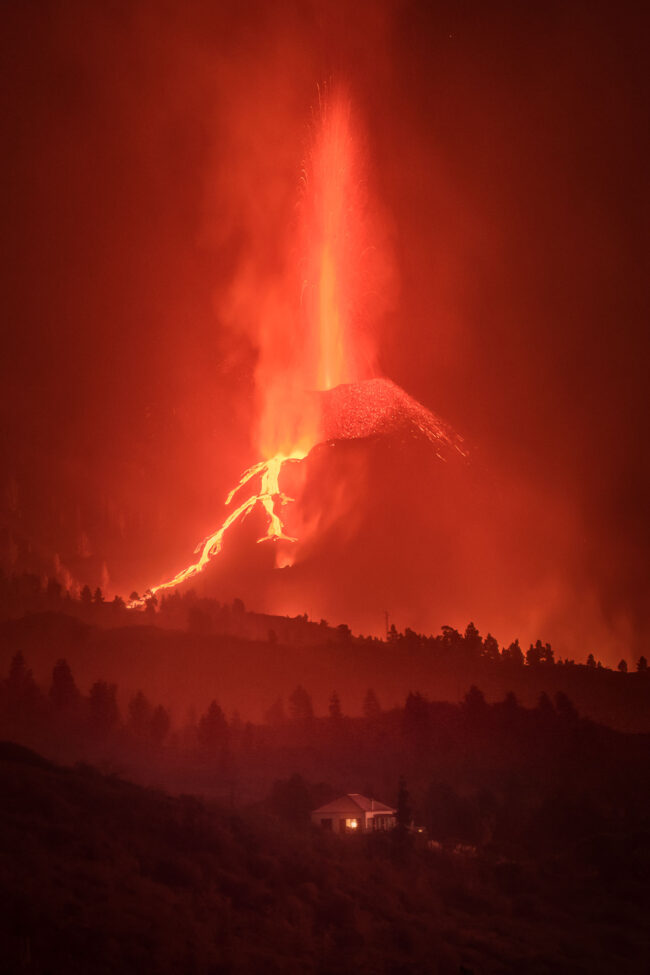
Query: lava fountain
x,y
321,385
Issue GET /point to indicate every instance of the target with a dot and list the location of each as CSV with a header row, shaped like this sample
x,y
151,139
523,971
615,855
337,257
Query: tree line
x,y
28,592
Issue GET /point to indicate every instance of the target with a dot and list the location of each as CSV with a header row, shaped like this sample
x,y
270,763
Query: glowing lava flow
x,y
350,411
270,497
315,366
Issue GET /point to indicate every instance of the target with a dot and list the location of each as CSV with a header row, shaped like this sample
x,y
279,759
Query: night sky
x,y
152,154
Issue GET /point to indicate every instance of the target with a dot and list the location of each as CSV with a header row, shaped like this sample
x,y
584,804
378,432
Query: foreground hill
x,y
99,875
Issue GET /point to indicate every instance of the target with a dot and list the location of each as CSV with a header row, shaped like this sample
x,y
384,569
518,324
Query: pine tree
x,y
474,702
64,694
404,814
371,708
102,701
24,698
140,712
491,648
212,730
335,707
300,706
514,653
473,641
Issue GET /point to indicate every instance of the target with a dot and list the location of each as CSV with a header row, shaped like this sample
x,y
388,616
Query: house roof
x,y
354,803
371,805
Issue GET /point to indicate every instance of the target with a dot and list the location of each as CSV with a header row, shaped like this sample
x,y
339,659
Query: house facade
x,y
354,813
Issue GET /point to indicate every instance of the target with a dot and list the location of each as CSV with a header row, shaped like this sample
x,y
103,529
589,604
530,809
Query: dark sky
x,y
151,157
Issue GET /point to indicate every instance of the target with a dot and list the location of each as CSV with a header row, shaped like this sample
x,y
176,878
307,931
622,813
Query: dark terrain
x,y
159,768
105,876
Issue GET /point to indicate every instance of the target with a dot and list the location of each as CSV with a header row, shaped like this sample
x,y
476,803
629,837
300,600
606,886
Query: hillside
x,y
104,876
185,666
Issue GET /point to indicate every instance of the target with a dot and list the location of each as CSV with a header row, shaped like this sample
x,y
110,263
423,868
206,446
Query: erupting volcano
x,y
324,386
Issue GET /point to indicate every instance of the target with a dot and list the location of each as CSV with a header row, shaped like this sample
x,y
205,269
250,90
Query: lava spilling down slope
x,y
350,411
316,371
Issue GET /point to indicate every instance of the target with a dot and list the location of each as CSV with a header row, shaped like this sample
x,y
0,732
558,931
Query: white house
x,y
353,813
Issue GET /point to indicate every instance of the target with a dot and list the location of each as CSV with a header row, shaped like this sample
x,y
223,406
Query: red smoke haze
x,y
152,184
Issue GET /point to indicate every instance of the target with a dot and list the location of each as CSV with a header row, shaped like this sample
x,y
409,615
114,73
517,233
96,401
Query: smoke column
x,y
317,378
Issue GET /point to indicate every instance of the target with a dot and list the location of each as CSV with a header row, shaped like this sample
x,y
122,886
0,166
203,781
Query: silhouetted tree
x,y
102,704
98,597
491,649
18,672
591,661
547,656
565,707
473,641
412,640
140,712
622,666
415,722
544,705
451,639
291,799
404,812
642,665
300,706
24,699
441,813
371,708
474,703
64,694
275,716
344,632
514,653
534,654
510,703
335,707
212,729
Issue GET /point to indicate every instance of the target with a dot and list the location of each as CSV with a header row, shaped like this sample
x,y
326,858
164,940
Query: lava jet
x,y
327,388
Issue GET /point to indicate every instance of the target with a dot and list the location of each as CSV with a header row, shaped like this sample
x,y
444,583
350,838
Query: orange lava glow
x,y
315,342
332,244
319,351
269,496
